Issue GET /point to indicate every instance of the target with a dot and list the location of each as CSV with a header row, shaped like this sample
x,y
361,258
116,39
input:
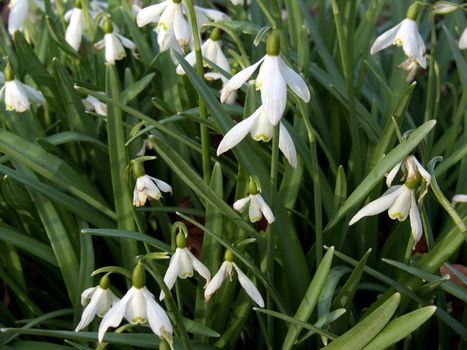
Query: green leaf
x,y
365,330
310,299
400,327
135,88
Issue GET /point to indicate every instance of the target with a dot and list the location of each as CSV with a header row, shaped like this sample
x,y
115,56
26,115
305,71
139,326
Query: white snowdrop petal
x,y
19,10
216,281
463,40
74,30
378,205
135,312
384,40
181,28
87,295
237,133
157,317
212,14
185,264
400,208
287,146
415,220
459,198
392,174
254,211
191,59
238,80
114,316
126,42
199,267
295,82
151,13
273,91
240,204
33,94
15,96
249,287
265,209
91,310
171,273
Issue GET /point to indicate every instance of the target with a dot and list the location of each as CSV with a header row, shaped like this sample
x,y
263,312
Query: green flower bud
x,y
228,255
412,12
104,283
138,169
180,240
215,34
252,188
139,277
9,73
108,27
273,45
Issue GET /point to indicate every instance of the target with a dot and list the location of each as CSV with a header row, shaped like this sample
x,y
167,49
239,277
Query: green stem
x,y
205,146
348,76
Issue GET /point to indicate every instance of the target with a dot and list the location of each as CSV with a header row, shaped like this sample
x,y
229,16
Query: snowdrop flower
x,y
17,96
147,186
258,207
400,200
74,32
273,77
441,7
173,29
463,40
92,103
138,307
114,44
225,271
182,263
404,34
19,10
98,300
459,198
260,128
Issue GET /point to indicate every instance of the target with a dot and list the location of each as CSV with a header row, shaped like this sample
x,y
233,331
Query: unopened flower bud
x,y
180,240
215,34
108,27
412,12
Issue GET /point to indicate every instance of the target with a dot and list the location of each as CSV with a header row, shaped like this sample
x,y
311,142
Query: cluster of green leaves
x,y
65,205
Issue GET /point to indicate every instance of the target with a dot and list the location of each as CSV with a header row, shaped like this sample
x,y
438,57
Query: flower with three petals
x,y
74,31
404,34
138,306
18,96
98,299
182,263
148,187
173,29
258,207
400,200
226,271
114,44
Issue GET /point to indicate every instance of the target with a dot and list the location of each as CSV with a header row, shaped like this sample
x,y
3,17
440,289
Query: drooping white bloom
x,y
148,187
459,198
404,34
173,28
17,96
19,10
138,307
114,44
74,31
98,301
463,40
260,129
442,8
258,207
182,263
273,78
225,271
92,103
400,200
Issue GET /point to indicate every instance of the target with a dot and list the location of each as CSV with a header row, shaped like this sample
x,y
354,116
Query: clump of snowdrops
x,y
216,174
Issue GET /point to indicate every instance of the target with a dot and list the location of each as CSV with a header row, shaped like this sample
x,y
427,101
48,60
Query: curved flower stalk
x,y
258,207
19,10
114,44
173,28
17,95
273,78
226,271
463,40
74,31
147,187
400,200
182,263
260,129
138,307
98,299
404,34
